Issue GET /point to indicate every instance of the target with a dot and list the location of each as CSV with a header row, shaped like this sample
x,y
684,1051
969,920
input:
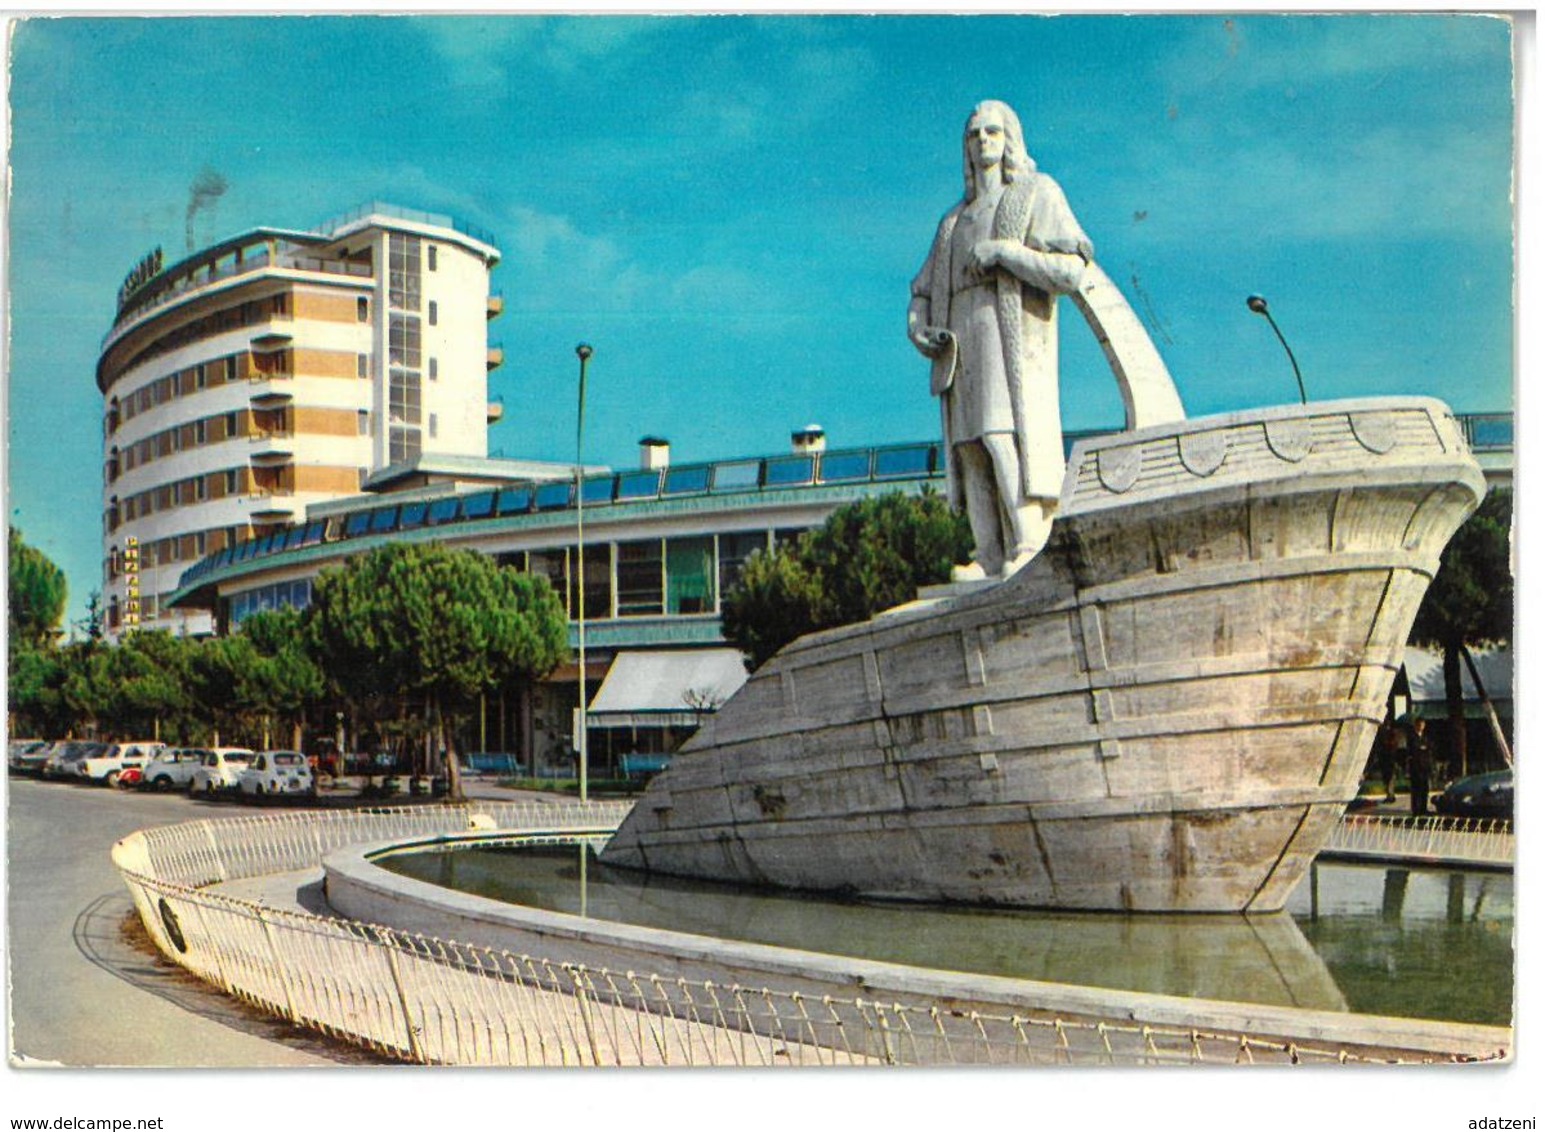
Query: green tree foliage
x,y
217,675
36,700
139,688
1470,601
868,556
37,593
280,679
439,625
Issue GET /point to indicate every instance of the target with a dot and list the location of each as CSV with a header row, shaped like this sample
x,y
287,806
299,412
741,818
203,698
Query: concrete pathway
x,y
81,992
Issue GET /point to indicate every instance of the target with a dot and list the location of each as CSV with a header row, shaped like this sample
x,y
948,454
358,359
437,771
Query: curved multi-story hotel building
x,y
278,369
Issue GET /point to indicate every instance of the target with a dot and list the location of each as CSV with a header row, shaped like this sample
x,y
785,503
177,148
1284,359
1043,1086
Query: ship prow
x,y
1166,710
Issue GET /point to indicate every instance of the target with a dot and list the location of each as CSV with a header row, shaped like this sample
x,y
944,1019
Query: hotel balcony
x,y
495,355
270,449
271,507
271,390
271,339
495,305
495,412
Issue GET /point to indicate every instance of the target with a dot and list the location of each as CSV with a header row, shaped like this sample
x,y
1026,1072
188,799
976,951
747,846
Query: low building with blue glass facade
x,y
662,545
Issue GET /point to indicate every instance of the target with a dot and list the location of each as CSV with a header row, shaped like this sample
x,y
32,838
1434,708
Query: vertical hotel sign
x,y
130,582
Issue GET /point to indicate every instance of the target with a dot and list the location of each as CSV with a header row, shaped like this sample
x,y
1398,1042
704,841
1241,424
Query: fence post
x,y
273,952
579,975
402,1001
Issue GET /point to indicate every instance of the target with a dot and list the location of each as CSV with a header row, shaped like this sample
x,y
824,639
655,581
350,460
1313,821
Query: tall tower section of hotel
x,y
277,369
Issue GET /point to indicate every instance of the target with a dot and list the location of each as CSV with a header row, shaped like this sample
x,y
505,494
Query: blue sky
x,y
730,209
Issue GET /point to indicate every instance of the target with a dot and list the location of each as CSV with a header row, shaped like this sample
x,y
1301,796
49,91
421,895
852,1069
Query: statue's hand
x,y
989,255
929,340
926,338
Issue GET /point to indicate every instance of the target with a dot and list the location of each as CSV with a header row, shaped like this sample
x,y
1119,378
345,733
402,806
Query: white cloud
x,y
480,52
1269,52
561,266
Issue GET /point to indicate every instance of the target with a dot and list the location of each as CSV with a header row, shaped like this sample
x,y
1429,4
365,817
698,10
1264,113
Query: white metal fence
x,y
1481,842
419,999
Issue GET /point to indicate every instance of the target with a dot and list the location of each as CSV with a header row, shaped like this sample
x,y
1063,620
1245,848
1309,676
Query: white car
x,y
219,770
109,764
276,772
173,769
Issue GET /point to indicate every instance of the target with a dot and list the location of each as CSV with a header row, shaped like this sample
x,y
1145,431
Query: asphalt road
x,y
82,993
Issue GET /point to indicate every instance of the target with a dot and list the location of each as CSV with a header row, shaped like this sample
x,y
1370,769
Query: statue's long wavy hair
x,y
1016,158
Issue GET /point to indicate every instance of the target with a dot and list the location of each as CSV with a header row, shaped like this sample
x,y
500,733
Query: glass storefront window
x,y
689,575
640,579
734,549
554,566
598,583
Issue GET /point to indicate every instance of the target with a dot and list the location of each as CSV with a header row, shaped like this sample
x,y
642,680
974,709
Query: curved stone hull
x,y
1167,710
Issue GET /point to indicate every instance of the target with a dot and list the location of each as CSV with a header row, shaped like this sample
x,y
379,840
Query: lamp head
x,y
583,351
1257,303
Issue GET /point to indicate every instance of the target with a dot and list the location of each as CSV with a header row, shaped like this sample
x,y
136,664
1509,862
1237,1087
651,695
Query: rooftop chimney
x,y
809,440
654,453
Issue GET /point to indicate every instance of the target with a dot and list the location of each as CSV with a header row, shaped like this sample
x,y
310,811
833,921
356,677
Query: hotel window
x,y
200,490
405,341
434,258
434,313
404,444
200,431
230,369
362,366
199,542
201,377
434,425
405,397
404,272
434,369
230,425
230,481
362,309
364,422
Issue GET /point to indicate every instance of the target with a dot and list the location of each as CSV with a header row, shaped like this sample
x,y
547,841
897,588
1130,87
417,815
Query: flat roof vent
x,y
808,440
654,452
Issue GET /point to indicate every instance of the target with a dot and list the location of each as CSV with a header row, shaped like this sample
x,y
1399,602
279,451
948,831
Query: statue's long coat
x,y
1034,211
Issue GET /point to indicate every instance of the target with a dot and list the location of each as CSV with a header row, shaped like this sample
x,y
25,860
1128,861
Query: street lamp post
x,y
1257,303
583,737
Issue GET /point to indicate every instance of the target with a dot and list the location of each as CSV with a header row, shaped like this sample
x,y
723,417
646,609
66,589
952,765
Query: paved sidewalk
x,y
81,992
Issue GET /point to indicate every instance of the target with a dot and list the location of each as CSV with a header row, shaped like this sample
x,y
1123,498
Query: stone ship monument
x,y
1155,687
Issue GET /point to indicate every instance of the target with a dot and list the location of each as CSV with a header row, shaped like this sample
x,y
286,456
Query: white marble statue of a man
x,y
984,308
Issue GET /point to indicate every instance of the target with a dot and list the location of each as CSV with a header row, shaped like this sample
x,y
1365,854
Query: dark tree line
x,y
401,640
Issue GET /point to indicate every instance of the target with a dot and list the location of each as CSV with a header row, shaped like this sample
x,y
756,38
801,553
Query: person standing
x,y
1419,766
1389,749
984,310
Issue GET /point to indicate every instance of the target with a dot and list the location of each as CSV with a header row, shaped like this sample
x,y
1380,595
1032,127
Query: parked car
x,y
65,758
277,772
26,756
1487,795
173,769
219,770
106,766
